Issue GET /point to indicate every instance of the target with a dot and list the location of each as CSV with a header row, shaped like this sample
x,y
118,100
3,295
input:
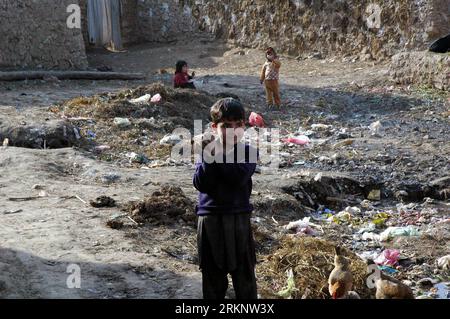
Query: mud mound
x,y
50,134
177,104
311,260
165,206
111,120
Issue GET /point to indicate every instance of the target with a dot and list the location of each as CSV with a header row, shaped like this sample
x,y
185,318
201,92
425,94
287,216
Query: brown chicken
x,y
390,288
340,282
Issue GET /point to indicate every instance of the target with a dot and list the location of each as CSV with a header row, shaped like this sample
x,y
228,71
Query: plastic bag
x,y
389,257
156,99
301,140
256,120
393,232
141,100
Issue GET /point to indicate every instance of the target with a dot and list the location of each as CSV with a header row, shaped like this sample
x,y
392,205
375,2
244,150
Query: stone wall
x,y
34,35
422,67
165,20
330,27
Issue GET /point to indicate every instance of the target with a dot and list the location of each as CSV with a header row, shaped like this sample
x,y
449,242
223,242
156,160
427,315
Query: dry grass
x,y
311,260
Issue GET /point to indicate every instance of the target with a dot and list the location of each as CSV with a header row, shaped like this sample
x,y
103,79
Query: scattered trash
x,y
389,257
77,134
91,135
103,201
303,227
141,100
170,139
156,98
393,232
380,219
287,291
375,128
311,261
5,143
137,158
444,262
122,122
38,187
256,120
300,140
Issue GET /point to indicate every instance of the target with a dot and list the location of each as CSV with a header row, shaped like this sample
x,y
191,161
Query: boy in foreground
x,y
223,177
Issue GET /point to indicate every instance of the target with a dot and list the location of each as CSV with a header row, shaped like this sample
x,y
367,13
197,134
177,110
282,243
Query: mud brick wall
x,y
165,20
422,68
34,35
330,27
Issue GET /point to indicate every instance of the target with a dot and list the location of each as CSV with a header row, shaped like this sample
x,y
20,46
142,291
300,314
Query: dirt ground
x,y
47,223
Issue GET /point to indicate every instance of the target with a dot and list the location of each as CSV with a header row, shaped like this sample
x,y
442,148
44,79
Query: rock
x,y
122,122
421,67
115,224
110,178
374,194
343,143
103,201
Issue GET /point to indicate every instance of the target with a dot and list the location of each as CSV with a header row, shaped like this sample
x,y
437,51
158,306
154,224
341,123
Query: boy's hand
x,y
193,74
201,141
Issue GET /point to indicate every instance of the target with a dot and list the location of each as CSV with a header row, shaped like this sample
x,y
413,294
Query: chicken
x,y
340,282
391,288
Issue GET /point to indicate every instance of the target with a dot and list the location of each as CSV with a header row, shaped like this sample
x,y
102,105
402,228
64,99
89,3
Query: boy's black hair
x,y
227,109
179,66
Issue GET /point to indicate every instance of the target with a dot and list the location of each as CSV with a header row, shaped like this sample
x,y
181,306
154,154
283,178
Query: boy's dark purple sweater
x,y
225,187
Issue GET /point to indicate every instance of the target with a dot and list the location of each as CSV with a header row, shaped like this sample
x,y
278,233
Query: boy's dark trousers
x,y
226,246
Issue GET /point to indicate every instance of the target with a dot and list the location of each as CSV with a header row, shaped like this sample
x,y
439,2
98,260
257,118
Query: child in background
x,y
182,79
224,234
269,76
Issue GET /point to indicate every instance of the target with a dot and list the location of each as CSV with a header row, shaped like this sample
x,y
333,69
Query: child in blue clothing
x,y
224,235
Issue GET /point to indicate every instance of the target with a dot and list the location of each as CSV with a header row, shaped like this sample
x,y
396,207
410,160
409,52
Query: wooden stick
x,y
81,199
69,75
23,199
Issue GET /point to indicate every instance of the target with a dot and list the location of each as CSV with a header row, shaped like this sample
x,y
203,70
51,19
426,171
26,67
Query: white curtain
x,y
104,23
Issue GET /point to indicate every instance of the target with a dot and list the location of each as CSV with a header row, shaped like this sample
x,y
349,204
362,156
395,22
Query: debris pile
x,y
311,261
165,206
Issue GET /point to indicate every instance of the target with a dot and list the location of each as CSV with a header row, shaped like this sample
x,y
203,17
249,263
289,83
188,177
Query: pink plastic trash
x,y
302,140
156,99
256,120
389,257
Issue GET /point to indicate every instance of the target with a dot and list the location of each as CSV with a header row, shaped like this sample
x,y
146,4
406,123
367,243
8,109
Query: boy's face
x,y
185,69
229,132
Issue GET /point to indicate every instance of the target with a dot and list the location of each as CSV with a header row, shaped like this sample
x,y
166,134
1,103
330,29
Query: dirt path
x,y
45,235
